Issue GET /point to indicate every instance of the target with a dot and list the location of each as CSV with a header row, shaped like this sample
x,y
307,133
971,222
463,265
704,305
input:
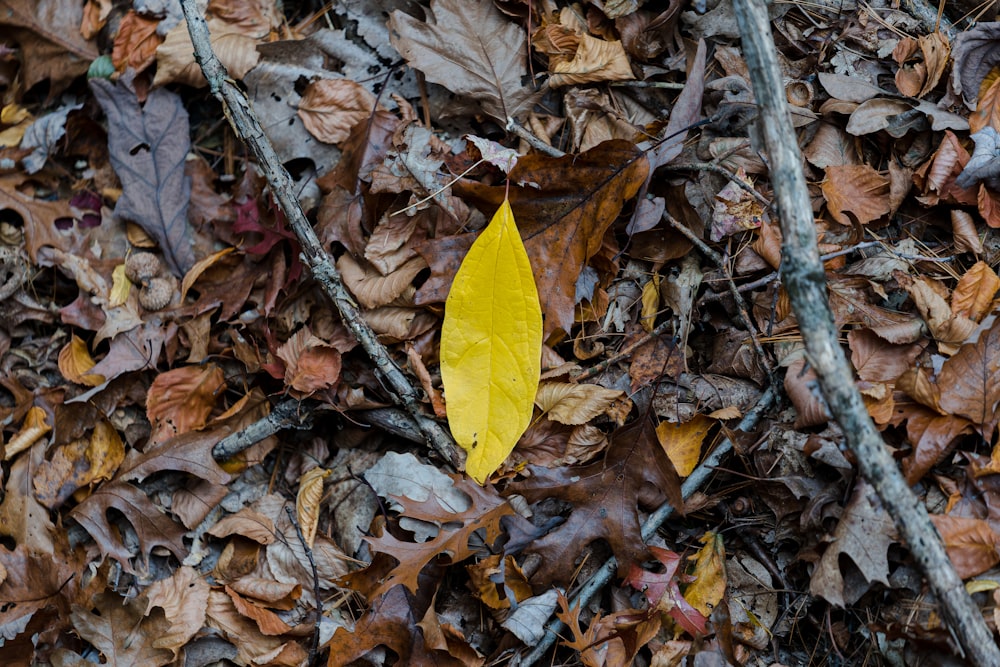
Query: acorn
x,y
157,293
142,266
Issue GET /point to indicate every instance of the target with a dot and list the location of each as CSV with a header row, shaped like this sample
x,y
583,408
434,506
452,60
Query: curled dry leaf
x,y
574,404
966,235
136,43
371,288
34,427
79,463
595,60
987,112
308,502
75,362
973,295
235,48
180,400
330,108
972,544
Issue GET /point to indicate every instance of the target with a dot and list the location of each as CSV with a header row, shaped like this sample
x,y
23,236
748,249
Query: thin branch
x,y
805,281
289,413
520,131
725,173
741,306
314,647
607,571
247,127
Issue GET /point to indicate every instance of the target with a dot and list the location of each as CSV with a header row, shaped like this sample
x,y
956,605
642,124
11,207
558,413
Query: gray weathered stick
x,y
247,127
805,281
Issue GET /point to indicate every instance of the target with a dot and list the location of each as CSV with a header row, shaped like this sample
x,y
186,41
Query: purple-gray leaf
x,y
148,145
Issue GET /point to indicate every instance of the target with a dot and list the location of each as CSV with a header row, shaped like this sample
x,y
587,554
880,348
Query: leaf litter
x,y
618,141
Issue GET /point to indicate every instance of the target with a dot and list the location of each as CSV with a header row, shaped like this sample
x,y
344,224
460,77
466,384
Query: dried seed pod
x,y
157,293
142,266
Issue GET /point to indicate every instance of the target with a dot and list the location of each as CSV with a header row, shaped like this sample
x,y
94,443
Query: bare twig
x,y
805,281
245,123
520,131
314,647
741,307
607,571
725,173
290,413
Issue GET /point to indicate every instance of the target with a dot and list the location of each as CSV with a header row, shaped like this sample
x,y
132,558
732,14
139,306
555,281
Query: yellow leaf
x,y
650,302
120,287
710,575
34,427
308,502
491,346
75,362
682,442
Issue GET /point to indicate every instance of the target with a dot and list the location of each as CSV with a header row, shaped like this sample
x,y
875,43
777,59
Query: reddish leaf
x,y
181,400
970,382
136,43
972,544
605,497
662,591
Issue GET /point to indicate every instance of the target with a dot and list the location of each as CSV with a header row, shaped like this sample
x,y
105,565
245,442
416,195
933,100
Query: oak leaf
x,y
663,591
606,496
456,527
864,534
121,630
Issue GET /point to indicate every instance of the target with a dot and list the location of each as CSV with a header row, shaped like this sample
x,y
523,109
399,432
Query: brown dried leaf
x,y
180,400
876,360
373,289
330,108
79,463
235,47
972,544
136,43
266,620
963,229
864,534
605,496
594,60
933,437
472,50
856,190
970,381
456,527
183,596
121,630
311,364
973,295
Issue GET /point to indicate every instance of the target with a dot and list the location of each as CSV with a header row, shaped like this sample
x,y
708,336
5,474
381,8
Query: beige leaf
x,y
308,502
574,403
371,288
175,57
963,228
330,108
973,295
595,60
183,596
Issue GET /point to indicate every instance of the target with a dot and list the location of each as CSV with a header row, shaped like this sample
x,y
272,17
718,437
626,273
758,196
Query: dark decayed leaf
x,y
148,146
606,497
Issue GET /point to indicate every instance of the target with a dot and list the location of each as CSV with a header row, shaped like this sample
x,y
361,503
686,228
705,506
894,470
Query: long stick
x,y
246,125
805,281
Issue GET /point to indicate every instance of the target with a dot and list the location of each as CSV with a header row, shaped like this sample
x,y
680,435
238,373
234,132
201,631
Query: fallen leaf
x,y
864,534
308,502
605,497
855,190
183,597
491,346
311,364
148,145
594,60
121,631
471,50
574,404
970,379
972,545
181,399
662,591
682,442
709,586
330,108
136,42
235,47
